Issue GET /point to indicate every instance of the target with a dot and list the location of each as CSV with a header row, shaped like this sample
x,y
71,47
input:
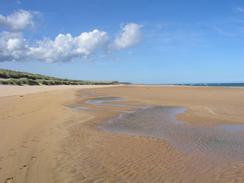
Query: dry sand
x,y
8,90
43,140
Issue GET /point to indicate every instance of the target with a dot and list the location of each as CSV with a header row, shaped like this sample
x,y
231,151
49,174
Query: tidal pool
x,y
232,127
160,122
78,107
106,101
99,101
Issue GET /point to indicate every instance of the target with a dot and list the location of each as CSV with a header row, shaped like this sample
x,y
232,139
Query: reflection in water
x,y
232,127
161,122
100,101
78,107
106,101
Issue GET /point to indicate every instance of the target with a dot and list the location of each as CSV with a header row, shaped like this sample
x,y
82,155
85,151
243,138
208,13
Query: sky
x,y
141,41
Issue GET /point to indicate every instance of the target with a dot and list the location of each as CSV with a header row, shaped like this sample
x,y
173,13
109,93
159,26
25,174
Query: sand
x,y
8,90
44,140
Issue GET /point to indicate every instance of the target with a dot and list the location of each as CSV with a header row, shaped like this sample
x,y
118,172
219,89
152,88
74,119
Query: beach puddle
x,y
235,128
99,101
222,141
78,107
111,101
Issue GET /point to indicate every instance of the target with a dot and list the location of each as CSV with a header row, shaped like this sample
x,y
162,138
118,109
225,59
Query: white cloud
x,y
65,47
89,41
12,47
129,36
17,21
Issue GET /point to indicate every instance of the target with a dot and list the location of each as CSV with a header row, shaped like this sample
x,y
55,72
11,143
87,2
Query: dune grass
x,y
10,77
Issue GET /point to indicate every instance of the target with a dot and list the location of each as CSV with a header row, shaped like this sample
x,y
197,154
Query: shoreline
x,y
187,86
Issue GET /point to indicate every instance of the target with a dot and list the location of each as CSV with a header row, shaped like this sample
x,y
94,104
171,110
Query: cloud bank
x,y
64,47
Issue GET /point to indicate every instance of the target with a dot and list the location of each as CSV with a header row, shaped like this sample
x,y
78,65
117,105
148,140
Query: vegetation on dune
x,y
9,77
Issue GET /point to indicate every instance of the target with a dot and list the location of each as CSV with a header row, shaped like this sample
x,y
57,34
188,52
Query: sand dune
x,y
45,140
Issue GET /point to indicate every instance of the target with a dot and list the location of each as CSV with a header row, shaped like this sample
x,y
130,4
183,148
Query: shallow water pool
x,y
105,101
222,141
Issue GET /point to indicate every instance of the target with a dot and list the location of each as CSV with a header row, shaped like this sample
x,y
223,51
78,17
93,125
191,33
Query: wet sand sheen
x,y
221,141
100,101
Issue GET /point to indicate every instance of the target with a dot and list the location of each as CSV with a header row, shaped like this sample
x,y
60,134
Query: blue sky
x,y
144,41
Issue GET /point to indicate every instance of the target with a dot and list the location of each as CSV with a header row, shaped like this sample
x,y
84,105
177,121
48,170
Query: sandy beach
x,y
57,134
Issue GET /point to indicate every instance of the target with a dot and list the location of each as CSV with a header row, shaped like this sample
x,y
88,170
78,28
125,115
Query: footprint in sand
x,y
23,167
9,180
33,157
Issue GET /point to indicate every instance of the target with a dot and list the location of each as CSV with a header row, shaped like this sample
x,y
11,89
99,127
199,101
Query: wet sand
x,y
140,134
220,141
